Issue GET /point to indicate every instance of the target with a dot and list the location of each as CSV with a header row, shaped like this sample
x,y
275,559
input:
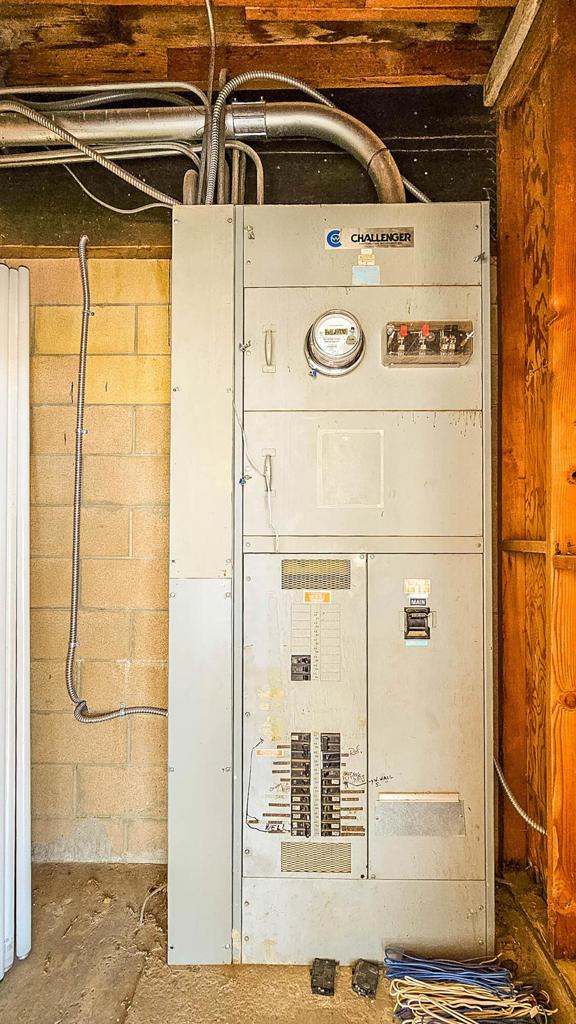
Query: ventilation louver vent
x,y
317,858
315,574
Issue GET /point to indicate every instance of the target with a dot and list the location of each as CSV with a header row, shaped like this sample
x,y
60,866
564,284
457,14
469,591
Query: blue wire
x,y
490,976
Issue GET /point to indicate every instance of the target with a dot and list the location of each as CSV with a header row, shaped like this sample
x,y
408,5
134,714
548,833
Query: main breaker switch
x,y
416,623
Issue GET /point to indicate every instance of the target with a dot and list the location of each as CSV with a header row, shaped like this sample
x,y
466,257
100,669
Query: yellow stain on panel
x,y
272,730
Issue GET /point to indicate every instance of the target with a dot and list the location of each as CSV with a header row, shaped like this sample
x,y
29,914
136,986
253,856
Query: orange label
x,y
317,597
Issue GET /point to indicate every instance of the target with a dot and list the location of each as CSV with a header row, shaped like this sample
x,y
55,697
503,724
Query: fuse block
x,y
438,343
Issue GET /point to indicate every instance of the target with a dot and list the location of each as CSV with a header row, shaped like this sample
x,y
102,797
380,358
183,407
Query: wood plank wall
x,y
537,289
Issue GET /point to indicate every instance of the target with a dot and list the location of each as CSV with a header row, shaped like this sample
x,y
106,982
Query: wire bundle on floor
x,y
427,991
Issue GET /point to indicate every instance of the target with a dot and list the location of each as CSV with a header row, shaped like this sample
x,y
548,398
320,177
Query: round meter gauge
x,y
335,343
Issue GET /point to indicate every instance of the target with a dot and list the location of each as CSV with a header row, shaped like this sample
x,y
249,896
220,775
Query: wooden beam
x,y
71,43
562,489
525,547
512,507
384,5
509,48
347,65
455,15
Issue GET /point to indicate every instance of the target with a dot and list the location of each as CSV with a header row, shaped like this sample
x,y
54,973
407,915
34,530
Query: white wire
x,y
108,206
263,474
154,892
439,1001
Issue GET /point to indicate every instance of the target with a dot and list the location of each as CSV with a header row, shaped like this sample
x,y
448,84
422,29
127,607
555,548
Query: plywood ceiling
x,y
331,43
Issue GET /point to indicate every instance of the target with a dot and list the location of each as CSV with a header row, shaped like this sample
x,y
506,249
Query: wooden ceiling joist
x,y
332,44
415,14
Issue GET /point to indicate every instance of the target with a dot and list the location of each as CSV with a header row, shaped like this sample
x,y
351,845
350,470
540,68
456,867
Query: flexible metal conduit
x,y
81,711
166,124
54,126
517,807
137,151
218,111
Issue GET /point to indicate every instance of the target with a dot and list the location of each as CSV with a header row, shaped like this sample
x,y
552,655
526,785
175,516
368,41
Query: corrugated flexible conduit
x,y
81,710
15,107
218,110
519,810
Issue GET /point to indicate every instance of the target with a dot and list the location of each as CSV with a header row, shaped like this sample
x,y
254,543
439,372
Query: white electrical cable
x,y
108,206
154,892
441,1002
265,476
519,810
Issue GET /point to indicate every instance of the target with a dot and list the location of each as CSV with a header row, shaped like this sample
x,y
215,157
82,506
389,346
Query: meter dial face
x,y
335,343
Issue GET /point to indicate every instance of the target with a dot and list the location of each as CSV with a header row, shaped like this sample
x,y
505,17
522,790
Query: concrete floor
x,y
93,964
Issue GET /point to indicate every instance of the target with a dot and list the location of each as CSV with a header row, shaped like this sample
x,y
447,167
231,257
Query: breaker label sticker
x,y
317,596
418,588
362,238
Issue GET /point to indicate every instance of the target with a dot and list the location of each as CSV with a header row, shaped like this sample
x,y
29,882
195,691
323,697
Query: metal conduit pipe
x,y
265,121
311,121
137,151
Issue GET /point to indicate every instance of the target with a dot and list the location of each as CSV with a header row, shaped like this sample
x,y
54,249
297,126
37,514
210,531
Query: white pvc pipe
x,y
15,867
23,812
4,766
10,611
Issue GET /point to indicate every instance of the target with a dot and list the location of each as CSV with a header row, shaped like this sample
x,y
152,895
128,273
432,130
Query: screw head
x,y
246,852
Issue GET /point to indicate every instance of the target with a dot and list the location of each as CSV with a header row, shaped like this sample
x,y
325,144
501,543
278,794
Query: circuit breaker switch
x,y
416,623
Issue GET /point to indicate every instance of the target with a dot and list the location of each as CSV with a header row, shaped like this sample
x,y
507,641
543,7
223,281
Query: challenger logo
x,y
361,238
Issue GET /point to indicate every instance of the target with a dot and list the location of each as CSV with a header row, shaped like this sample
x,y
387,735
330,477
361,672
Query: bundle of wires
x,y
427,991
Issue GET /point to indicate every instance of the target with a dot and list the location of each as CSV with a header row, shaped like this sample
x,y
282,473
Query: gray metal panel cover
x,y
285,246
291,921
200,779
202,382
282,317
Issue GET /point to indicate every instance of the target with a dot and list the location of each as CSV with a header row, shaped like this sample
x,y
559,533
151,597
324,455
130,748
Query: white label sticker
x,y
361,238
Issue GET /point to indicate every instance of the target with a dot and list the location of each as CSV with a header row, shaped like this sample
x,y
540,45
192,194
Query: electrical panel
x,y
330,722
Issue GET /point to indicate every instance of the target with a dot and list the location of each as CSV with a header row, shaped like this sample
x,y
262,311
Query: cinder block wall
x,y
99,791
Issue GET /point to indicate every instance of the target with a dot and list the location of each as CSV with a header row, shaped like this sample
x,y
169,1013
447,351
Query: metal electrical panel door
x,y
277,375
369,473
426,713
305,717
330,650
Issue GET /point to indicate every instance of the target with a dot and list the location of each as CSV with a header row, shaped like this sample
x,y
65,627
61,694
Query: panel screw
x,y
172,594
248,544
246,938
246,903
227,945
248,579
246,852
371,556
246,714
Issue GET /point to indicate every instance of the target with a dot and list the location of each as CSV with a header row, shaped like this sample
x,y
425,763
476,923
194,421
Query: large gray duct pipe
x,y
243,121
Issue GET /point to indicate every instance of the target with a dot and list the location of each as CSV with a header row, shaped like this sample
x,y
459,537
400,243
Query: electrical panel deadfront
x,y
330,640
